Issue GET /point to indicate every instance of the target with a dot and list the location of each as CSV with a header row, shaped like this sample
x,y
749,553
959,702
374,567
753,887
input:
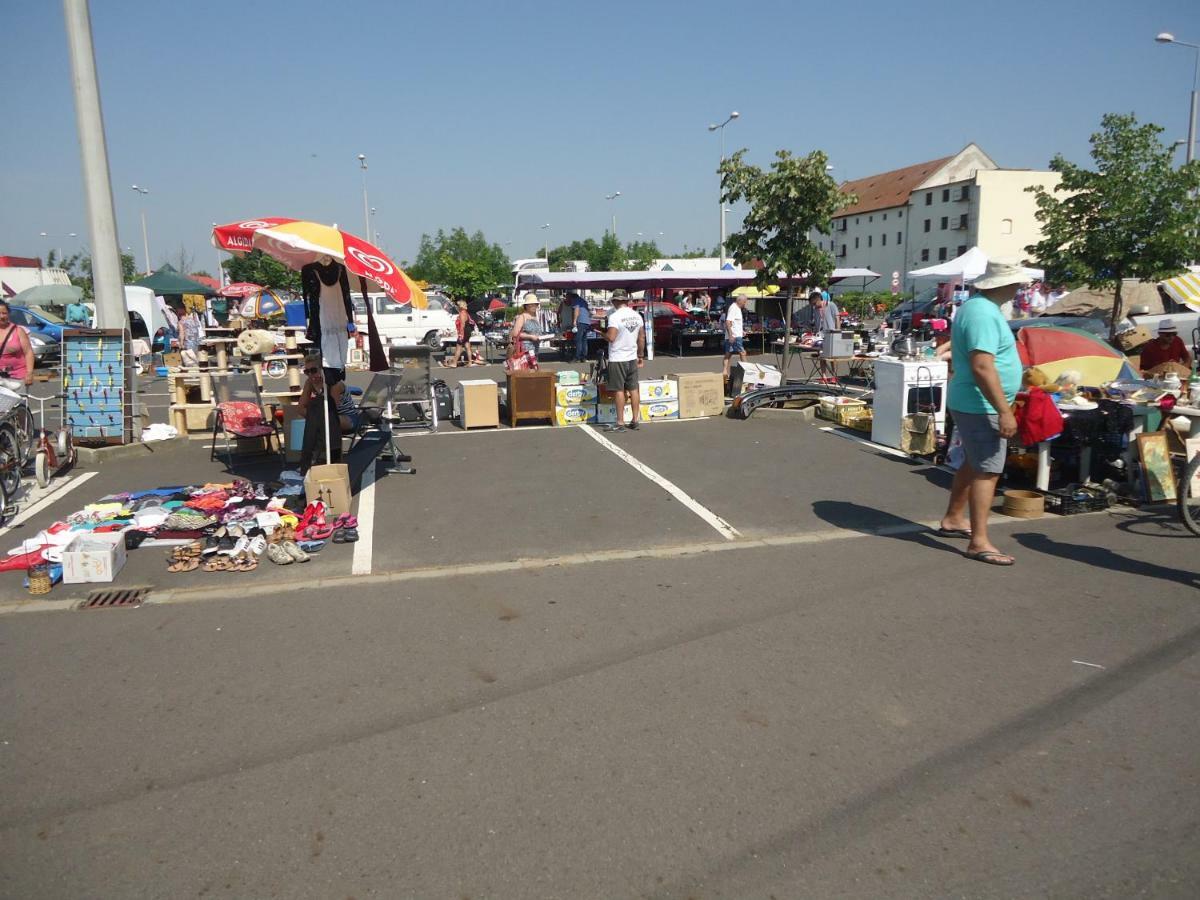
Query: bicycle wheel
x,y
10,460
41,469
1189,499
22,420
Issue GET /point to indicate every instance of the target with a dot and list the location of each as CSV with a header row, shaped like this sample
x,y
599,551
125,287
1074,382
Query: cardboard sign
x,y
330,485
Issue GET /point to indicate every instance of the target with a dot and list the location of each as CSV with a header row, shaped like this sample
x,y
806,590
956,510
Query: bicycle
x,y
53,450
16,441
1188,493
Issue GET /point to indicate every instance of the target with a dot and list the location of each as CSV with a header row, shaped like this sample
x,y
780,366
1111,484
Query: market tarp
x,y
48,295
1184,289
1055,350
968,267
664,278
167,281
1098,304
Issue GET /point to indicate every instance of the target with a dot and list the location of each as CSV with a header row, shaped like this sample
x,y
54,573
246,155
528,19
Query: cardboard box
x,y
568,377
574,395
293,432
478,403
606,413
93,558
748,376
657,389
330,485
575,415
660,409
1131,340
700,394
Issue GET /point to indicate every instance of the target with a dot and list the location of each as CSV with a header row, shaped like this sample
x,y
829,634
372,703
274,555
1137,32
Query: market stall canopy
x,y
1055,350
207,281
665,278
968,267
241,289
264,304
167,281
48,295
1184,289
1098,304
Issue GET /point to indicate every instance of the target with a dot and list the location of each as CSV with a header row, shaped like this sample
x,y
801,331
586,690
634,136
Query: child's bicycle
x,y
54,450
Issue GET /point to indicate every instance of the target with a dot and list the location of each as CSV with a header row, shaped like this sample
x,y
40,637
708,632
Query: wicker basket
x,y
39,579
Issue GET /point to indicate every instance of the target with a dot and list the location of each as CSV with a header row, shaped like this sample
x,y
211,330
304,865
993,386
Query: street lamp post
x,y
1167,38
145,238
50,240
613,196
362,164
720,202
546,249
373,233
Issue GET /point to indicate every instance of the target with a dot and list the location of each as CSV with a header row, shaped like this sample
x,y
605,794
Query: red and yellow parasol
x,y
296,243
1058,349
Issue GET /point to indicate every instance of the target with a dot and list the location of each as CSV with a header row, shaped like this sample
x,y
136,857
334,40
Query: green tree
x,y
642,254
794,199
78,267
439,260
257,267
1134,216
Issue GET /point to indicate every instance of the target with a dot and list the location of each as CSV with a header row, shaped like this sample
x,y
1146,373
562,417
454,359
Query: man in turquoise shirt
x,y
985,379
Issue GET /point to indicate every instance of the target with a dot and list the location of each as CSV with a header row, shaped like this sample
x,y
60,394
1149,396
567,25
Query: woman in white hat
x,y
526,329
1166,348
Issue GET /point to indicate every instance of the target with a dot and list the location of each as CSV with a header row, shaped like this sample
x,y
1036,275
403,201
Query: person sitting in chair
x,y
343,414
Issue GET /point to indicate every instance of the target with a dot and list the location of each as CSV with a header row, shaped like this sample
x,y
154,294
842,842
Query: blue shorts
x,y
735,346
985,450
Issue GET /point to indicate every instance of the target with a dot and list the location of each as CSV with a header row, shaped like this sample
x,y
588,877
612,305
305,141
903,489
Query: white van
x,y
402,325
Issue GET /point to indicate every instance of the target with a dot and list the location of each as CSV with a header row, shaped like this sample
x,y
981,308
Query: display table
x,y
815,368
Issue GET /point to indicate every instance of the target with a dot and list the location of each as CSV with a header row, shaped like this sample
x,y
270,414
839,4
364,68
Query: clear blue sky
x,y
505,116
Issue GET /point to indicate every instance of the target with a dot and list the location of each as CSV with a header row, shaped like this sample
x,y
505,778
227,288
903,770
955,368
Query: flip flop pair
x,y
991,558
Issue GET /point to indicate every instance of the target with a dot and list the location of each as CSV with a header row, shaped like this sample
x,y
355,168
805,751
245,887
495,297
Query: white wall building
x,y
20,272
933,211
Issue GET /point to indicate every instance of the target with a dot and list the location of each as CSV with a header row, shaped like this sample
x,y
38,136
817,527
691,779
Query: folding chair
x,y
241,414
377,410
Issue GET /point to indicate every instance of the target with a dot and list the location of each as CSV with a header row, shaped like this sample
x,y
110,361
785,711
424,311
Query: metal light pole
x,y
89,120
58,250
613,196
145,239
220,270
546,249
1167,38
362,164
720,202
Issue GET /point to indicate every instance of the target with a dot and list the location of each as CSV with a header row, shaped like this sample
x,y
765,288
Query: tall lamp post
x,y
546,236
145,238
373,233
50,240
1167,38
613,196
362,164
721,203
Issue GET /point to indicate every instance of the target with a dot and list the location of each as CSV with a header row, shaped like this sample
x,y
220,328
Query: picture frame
x,y
1158,475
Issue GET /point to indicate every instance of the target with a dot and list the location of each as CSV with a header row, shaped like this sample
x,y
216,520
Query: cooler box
x,y
478,403
700,395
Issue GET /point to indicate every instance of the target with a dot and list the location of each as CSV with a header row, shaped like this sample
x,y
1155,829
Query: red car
x,y
668,319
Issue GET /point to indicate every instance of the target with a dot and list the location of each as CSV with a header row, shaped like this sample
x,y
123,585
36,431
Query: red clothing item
x,y
1155,354
1038,419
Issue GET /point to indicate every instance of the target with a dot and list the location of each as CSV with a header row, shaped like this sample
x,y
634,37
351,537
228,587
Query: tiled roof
x,y
888,189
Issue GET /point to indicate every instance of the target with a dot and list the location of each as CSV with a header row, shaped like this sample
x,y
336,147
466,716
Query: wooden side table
x,y
530,396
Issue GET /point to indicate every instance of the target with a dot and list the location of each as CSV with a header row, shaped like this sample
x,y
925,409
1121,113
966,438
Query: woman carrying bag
x,y
524,337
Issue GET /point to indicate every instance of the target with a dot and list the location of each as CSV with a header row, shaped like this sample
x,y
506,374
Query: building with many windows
x,y
934,211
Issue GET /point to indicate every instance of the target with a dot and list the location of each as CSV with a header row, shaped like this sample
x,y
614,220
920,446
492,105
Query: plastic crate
x,y
1064,502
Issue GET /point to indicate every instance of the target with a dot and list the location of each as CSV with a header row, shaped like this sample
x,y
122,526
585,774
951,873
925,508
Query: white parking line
x,y
723,528
60,487
366,523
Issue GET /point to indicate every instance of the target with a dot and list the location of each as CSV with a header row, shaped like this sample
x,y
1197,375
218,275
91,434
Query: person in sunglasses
x,y
343,415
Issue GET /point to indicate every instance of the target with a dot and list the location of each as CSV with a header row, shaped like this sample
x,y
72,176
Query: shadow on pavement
x,y
856,517
1160,524
1103,558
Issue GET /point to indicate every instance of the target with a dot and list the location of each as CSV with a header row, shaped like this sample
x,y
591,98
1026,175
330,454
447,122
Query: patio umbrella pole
x,y
787,334
325,395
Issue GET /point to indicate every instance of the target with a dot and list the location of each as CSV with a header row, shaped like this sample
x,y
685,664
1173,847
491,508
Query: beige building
x,y
934,211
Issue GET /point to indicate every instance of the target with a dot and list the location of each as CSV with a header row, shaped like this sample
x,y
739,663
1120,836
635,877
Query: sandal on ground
x,y
218,564
184,564
952,532
318,532
991,557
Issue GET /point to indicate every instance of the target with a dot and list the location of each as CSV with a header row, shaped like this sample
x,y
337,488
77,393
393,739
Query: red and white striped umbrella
x,y
241,289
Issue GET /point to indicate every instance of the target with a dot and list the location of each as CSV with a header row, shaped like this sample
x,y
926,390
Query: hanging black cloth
x,y
311,278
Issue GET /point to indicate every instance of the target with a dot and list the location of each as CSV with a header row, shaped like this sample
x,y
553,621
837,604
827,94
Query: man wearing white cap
x,y
985,380
1167,347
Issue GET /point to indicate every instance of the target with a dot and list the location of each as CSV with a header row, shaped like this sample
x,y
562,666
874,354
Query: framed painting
x,y
1158,477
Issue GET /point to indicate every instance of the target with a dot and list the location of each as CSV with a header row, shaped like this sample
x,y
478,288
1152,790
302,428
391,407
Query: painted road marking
x,y
366,523
51,494
723,528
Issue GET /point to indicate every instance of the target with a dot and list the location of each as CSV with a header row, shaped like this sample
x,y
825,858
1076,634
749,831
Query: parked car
x,y
673,324
403,325
909,314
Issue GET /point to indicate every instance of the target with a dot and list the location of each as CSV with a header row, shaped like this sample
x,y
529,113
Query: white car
x,y
401,325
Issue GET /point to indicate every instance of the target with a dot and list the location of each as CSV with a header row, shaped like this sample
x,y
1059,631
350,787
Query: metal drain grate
x,y
110,598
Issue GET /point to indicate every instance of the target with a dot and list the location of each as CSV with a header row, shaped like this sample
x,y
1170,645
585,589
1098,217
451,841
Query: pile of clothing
x,y
216,526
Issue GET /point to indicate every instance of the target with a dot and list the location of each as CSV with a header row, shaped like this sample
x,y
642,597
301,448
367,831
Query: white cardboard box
x,y
93,557
757,375
658,389
606,413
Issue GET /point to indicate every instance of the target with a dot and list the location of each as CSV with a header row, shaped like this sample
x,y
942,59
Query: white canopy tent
x,y
968,267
